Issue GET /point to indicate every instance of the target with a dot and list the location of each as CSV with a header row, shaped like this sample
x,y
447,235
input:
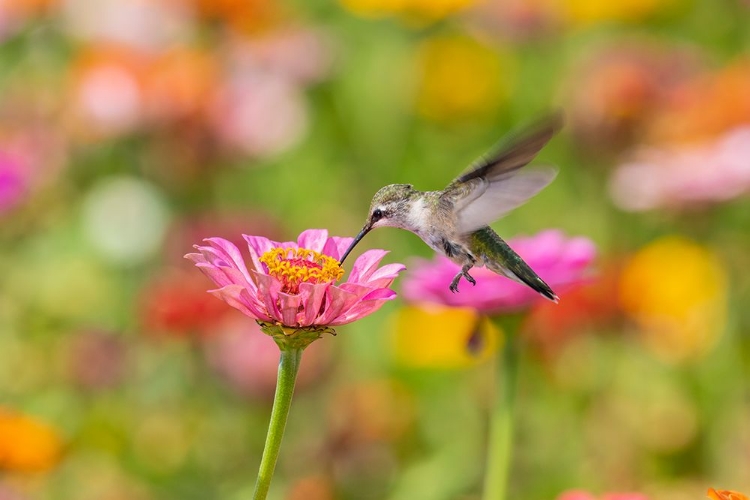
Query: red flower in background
x,y
176,302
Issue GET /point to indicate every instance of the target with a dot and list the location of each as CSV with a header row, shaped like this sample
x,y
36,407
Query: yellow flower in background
x,y
675,291
583,12
430,336
461,78
26,444
412,10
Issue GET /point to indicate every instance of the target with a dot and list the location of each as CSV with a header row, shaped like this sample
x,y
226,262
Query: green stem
x,y
282,400
501,421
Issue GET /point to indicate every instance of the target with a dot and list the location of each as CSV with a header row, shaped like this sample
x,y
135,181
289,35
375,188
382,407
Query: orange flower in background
x,y
313,487
613,92
27,444
432,336
461,79
180,82
725,495
14,13
704,107
675,291
245,16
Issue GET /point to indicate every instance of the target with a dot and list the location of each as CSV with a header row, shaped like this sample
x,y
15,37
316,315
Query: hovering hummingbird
x,y
455,221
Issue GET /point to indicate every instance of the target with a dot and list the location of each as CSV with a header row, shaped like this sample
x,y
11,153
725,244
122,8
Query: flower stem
x,y
501,421
282,400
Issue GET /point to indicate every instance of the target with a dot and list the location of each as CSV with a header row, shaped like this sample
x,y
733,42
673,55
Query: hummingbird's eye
x,y
377,214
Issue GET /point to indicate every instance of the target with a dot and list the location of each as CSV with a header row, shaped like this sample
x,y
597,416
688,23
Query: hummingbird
x,y
455,221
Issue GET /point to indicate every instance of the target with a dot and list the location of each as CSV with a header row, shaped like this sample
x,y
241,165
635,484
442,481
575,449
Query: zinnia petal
x,y
366,264
313,239
384,276
237,297
258,245
336,246
338,300
268,290
231,254
288,307
312,296
368,305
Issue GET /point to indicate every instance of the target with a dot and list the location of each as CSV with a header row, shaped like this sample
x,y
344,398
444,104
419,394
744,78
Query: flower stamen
x,y
292,266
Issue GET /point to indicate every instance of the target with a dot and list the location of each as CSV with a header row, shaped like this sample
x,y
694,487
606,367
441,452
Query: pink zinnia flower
x,y
557,260
293,284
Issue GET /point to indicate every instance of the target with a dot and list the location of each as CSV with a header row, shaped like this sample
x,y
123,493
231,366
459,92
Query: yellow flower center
x,y
292,266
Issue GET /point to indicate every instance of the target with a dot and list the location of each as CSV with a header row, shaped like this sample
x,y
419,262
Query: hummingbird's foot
x,y
464,273
454,284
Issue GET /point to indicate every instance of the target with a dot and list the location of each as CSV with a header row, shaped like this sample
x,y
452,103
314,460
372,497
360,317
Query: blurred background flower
x,y
13,185
434,336
419,11
559,261
97,360
725,495
247,359
27,444
686,177
461,79
675,291
616,90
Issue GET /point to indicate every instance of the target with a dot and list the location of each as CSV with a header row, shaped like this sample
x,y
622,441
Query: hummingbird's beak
x,y
361,235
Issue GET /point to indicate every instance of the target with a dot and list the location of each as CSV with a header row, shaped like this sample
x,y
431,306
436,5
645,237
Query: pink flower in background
x,y
106,95
559,261
141,24
97,359
300,55
259,113
585,495
6,493
247,360
293,284
685,175
13,183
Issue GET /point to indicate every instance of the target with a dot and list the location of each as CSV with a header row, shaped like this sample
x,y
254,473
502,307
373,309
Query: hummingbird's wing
x,y
496,185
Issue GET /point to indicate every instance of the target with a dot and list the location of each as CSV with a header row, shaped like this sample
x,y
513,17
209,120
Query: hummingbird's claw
x,y
454,284
465,273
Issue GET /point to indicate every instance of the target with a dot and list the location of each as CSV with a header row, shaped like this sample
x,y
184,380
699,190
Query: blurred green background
x,y
132,129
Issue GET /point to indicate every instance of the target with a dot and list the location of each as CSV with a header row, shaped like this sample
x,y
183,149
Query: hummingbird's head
x,y
389,207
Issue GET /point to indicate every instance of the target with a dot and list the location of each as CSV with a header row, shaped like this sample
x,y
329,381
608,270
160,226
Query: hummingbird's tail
x,y
508,263
524,274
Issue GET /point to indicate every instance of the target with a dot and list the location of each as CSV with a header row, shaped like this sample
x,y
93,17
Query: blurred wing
x,y
488,201
495,184
514,152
